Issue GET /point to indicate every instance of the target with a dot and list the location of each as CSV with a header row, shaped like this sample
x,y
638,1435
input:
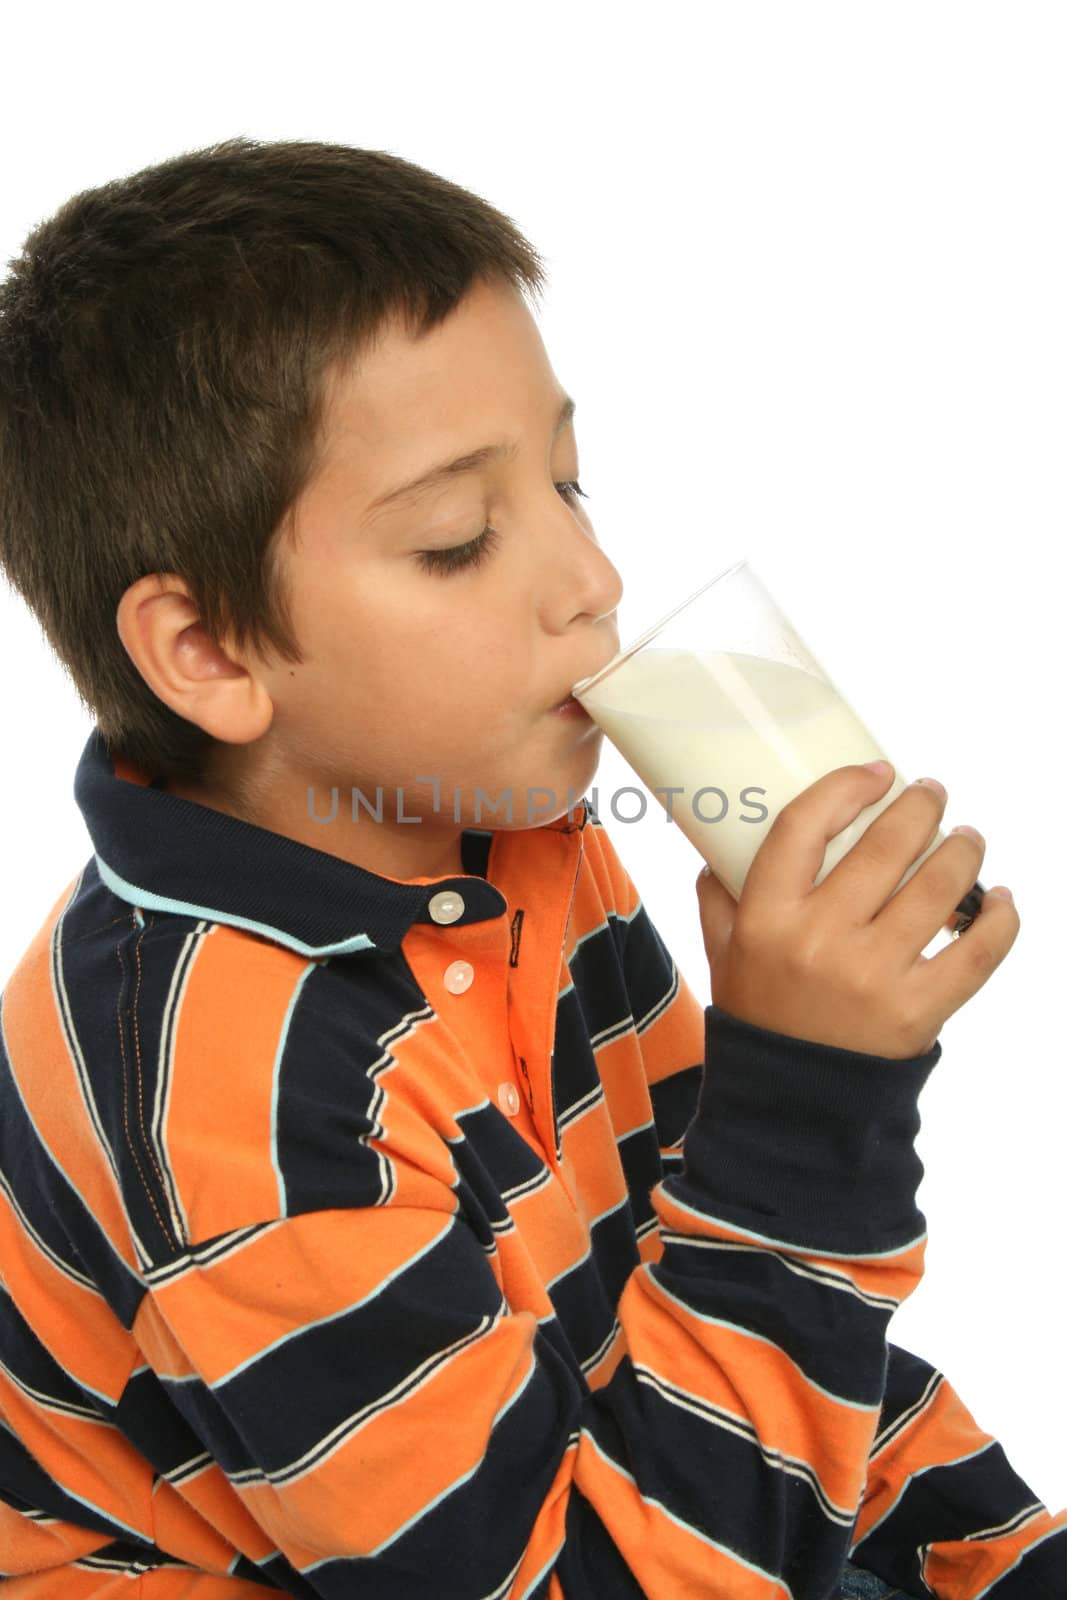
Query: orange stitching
x,y
125,1115
140,1081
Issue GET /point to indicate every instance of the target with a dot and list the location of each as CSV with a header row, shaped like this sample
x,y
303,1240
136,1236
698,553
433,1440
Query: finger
x,y
718,908
962,967
927,902
871,868
791,856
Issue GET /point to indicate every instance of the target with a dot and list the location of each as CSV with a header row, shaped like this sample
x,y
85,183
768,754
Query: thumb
x,y
718,908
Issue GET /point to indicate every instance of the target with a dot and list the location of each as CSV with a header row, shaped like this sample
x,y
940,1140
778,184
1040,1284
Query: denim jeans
x,y
857,1584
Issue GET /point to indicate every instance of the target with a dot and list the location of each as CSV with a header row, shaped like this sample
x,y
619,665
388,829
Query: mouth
x,y
569,703
571,708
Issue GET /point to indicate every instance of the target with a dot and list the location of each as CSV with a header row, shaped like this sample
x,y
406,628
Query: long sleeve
x,y
387,1419
943,1506
342,1307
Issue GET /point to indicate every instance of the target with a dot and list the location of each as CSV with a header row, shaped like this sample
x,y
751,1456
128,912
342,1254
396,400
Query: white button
x,y
508,1096
446,906
458,977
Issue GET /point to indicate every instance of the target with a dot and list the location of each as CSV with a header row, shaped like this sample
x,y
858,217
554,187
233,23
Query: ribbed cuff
x,y
808,1143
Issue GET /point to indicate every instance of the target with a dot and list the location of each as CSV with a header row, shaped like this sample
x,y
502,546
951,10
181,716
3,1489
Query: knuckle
x,y
980,956
881,847
938,881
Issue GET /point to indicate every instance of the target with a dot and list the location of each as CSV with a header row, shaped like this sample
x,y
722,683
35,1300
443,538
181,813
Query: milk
x,y
752,733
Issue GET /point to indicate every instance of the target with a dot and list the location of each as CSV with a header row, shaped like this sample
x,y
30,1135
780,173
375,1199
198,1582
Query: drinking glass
x,y
725,714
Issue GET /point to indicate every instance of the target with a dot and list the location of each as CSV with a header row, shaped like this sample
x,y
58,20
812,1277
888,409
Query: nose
x,y
596,589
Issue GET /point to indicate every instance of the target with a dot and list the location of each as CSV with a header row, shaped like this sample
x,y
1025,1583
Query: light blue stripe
x,y
549,1564
918,1473
143,1534
185,908
133,1274
1052,1533
283,1201
679,1522
431,1505
791,1244
760,1338
320,1322
621,1138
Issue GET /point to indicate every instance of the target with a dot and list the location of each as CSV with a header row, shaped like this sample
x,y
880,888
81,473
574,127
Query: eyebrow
x,y
446,470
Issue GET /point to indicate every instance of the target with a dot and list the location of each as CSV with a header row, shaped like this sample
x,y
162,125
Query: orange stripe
x,y
222,1163
956,1570
894,1276
622,1074
754,1382
605,1369
184,1534
663,1557
676,1038
65,1315
28,1544
162,1585
208,1498
590,1166
518,1276
88,1459
212,1318
555,1235
606,883
548,1532
47,1080
355,1499
944,1432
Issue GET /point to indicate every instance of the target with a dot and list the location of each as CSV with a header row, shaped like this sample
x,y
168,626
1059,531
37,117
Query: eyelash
x,y
460,557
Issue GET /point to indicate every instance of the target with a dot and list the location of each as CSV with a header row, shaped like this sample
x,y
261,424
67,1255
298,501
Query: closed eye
x,y
460,557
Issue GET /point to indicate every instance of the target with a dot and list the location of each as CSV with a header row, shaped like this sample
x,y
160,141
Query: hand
x,y
841,963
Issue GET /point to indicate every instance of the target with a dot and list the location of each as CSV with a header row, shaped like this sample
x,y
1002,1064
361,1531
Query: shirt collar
x,y
164,853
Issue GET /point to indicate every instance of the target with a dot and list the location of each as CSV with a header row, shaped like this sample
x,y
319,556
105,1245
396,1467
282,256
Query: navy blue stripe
x,y
329,1103
490,1158
590,1566
498,1506
32,1175
648,968
824,1330
283,1408
43,1494
674,1102
154,1425
748,1505
642,1168
945,1504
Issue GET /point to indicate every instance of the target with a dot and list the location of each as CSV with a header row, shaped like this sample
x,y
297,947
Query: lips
x,y
581,678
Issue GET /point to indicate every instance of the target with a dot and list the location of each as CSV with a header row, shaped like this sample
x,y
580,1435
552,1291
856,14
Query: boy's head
x,y
209,373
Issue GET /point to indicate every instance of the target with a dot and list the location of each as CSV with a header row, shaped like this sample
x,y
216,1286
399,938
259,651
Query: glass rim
x,y
623,654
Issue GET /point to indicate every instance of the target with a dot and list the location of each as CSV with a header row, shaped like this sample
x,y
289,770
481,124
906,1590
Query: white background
x,y
808,285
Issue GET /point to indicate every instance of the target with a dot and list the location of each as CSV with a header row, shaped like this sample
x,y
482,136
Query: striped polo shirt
x,y
394,1238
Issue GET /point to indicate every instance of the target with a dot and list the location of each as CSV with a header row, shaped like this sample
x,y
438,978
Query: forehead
x,y
412,396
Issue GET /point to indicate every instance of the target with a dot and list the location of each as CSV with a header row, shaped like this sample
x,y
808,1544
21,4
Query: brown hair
x,y
166,341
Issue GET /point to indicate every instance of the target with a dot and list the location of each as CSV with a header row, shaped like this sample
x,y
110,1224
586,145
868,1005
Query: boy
x,y
370,1223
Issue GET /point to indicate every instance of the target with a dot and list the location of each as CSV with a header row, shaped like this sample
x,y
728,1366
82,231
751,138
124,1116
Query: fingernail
x,y
930,783
881,767
972,833
1002,892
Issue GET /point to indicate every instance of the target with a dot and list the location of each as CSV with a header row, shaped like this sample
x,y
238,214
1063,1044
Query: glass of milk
x,y
724,713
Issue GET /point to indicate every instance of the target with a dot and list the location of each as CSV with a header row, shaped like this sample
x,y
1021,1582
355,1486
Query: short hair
x,y
166,341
